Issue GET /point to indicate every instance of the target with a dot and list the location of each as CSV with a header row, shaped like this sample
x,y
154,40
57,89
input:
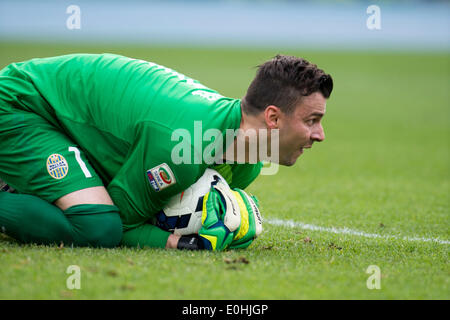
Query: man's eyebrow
x,y
318,114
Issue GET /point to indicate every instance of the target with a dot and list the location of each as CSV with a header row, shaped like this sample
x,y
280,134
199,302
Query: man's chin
x,y
289,162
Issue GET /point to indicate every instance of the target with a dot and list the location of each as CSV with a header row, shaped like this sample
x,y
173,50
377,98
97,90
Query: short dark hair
x,y
283,81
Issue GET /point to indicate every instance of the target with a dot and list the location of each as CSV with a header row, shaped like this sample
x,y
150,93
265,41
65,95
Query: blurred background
x,y
415,25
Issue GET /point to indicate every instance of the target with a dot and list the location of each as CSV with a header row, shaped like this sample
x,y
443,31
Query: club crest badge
x,y
57,166
161,177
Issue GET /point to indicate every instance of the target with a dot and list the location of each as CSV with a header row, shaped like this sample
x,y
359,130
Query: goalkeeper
x,y
87,140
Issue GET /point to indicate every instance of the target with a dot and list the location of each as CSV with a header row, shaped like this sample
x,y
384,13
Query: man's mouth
x,y
303,149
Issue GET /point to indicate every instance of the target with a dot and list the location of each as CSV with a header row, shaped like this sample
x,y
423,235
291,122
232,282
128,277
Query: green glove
x,y
220,217
251,223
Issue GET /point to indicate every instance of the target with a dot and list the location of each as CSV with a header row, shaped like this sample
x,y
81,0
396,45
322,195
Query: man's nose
x,y
318,135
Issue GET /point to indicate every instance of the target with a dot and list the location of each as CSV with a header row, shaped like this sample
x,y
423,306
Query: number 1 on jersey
x,y
83,167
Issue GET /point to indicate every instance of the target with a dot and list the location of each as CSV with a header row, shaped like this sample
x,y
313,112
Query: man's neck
x,y
238,151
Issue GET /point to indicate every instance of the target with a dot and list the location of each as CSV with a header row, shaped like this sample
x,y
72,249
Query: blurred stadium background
x,y
412,25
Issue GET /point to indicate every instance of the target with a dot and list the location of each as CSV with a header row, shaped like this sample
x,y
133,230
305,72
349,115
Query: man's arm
x,y
150,236
239,175
139,196
172,241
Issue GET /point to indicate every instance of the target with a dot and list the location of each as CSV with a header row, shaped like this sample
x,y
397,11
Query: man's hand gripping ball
x,y
251,222
210,215
230,218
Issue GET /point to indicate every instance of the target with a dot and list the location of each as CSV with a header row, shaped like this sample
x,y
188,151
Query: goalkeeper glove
x,y
230,218
191,242
220,217
251,222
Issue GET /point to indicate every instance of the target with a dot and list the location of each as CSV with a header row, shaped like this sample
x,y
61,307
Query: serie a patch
x,y
161,177
57,166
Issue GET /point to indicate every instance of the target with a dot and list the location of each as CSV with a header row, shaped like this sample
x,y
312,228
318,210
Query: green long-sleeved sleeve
x,y
146,235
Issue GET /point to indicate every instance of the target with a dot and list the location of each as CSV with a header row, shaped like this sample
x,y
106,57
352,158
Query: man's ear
x,y
272,117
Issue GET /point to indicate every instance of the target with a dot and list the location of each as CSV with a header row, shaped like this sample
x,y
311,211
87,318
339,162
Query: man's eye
x,y
311,121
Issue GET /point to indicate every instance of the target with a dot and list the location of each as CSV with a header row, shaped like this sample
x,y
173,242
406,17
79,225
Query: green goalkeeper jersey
x,y
133,118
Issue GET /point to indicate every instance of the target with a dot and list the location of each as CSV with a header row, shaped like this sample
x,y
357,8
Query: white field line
x,y
305,226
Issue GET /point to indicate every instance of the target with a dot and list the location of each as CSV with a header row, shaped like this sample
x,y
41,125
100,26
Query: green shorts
x,y
36,158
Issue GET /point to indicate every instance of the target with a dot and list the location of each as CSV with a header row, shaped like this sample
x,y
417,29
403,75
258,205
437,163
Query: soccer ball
x,y
182,215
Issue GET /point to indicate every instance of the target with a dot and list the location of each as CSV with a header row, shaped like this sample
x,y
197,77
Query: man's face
x,y
301,128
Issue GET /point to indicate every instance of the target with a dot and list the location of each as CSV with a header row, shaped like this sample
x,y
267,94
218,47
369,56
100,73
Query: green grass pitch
x,y
382,171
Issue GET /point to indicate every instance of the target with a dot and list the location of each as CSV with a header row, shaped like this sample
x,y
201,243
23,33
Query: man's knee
x,y
108,233
92,195
96,225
